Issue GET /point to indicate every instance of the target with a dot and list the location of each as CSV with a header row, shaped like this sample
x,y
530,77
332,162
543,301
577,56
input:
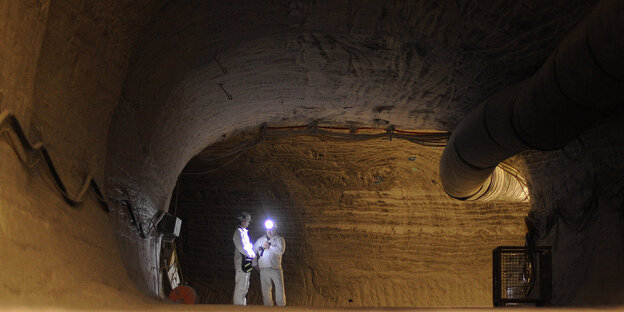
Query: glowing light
x,y
268,224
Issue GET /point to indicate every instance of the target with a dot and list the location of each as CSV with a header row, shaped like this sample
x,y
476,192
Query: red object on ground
x,y
183,294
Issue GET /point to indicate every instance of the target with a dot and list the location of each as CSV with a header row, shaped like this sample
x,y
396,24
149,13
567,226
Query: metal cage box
x,y
521,276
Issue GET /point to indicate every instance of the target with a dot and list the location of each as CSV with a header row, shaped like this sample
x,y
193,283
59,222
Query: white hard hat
x,y
242,216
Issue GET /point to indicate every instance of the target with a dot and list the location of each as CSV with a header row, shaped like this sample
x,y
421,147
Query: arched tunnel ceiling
x,y
205,68
202,70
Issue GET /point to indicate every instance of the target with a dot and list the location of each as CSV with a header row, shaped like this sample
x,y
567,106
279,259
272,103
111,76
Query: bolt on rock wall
x,y
61,65
366,223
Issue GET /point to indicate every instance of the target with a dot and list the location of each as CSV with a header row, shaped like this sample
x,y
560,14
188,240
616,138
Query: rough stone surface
x,y
366,224
132,90
417,65
61,72
577,204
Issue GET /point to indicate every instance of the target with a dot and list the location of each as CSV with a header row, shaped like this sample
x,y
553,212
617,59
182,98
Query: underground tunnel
x,y
398,226
396,144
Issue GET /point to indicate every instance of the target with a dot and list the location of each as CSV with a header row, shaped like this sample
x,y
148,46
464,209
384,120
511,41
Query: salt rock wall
x,y
205,69
61,66
578,209
366,224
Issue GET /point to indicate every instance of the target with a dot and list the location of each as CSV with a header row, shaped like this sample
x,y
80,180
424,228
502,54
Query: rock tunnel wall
x,y
366,224
417,65
62,64
412,65
578,209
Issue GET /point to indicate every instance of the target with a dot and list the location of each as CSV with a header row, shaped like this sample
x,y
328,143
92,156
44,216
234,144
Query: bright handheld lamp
x,y
268,224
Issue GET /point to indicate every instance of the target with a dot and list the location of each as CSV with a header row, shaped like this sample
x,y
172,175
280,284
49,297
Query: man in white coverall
x,y
243,254
269,249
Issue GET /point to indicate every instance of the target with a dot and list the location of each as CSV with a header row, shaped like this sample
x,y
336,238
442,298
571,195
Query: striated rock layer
x,y
366,223
130,91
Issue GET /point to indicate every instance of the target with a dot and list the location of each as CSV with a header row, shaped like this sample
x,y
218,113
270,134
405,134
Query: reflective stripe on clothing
x,y
242,247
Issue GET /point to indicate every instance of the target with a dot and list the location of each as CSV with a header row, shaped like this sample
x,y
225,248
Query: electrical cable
x,y
327,133
133,217
21,154
214,169
40,150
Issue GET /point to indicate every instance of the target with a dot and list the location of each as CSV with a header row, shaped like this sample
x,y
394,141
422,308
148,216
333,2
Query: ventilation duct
x,y
579,84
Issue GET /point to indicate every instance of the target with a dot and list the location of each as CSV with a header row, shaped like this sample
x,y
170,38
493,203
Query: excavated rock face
x,y
366,223
131,91
578,207
62,65
204,69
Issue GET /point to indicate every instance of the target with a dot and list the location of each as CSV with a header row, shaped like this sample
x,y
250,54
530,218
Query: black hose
x,y
41,151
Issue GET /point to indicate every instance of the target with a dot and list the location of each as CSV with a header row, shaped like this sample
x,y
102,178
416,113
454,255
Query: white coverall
x,y
242,248
269,262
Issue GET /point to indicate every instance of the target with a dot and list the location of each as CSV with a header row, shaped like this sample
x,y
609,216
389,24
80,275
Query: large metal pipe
x,y
580,82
